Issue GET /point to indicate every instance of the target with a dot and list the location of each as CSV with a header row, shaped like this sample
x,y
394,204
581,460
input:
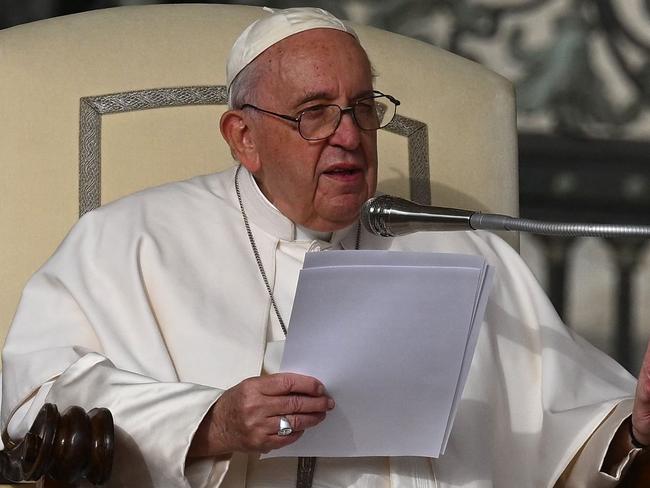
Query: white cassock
x,y
154,305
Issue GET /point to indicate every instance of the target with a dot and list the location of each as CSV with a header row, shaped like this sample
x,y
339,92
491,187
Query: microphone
x,y
390,216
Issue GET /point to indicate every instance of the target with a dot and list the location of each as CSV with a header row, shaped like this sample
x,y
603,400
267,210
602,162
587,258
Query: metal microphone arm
x,y
390,216
503,222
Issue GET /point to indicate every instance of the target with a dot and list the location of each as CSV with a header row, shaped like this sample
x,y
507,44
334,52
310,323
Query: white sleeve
x,y
586,469
84,334
23,418
154,421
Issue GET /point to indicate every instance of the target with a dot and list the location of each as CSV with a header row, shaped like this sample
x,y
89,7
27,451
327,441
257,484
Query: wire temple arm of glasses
x,y
282,116
390,97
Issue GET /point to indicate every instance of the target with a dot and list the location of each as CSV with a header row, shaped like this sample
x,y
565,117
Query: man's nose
x,y
348,134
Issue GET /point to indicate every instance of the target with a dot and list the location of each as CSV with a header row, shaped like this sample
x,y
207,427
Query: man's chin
x,y
335,221
330,213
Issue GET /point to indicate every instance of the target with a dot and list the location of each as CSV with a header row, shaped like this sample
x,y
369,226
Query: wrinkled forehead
x,y
319,60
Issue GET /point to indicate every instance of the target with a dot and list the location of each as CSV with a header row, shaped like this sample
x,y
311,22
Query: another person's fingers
x,y
641,410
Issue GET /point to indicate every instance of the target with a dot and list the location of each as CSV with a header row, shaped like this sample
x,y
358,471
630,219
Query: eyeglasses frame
x,y
343,111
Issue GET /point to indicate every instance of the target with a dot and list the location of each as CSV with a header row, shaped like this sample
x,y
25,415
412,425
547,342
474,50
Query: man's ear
x,y
239,137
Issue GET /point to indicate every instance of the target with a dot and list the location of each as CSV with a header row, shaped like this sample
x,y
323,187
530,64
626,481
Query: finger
x,y
276,442
298,422
285,383
641,410
644,376
279,405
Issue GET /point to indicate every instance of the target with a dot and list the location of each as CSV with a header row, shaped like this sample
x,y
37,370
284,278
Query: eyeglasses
x,y
321,121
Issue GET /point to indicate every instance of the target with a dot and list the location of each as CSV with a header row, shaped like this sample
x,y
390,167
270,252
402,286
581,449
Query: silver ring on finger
x,y
285,427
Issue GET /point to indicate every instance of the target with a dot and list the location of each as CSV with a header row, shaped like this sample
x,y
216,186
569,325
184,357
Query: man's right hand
x,y
246,418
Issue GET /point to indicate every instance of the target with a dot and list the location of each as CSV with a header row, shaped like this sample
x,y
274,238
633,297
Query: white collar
x,y
264,214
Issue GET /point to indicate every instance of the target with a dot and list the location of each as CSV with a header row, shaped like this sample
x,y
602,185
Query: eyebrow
x,y
310,96
323,95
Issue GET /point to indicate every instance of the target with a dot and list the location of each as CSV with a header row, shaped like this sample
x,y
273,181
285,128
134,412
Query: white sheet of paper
x,y
391,335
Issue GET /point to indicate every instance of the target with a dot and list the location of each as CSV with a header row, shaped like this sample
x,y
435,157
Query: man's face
x,y
317,184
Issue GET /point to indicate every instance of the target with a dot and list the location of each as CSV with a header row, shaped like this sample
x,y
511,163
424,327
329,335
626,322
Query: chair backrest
x,y
98,105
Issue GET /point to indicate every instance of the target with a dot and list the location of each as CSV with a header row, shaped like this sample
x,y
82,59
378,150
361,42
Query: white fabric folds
x,y
153,305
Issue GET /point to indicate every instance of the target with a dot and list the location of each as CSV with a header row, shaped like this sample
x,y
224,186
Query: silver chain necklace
x,y
256,253
306,465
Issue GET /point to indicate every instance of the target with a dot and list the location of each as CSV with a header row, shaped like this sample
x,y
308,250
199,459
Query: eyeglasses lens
x,y
370,114
319,122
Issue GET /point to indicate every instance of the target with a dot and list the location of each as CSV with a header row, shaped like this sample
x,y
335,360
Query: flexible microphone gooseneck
x,y
390,216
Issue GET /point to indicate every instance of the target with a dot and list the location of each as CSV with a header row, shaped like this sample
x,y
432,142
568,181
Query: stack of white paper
x,y
391,335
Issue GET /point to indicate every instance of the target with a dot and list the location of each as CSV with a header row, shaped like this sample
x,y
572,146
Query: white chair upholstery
x,y
457,125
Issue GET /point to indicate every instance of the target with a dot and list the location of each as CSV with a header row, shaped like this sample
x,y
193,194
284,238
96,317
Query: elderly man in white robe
x,y
167,307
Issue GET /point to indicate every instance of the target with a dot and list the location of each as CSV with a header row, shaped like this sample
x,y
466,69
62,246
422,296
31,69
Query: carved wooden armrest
x,y
66,448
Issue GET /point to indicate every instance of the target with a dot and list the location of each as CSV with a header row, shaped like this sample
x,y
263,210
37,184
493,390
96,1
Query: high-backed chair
x,y
98,105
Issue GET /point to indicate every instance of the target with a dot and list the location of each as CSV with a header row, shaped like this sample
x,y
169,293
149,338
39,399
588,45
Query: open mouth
x,y
343,172
344,169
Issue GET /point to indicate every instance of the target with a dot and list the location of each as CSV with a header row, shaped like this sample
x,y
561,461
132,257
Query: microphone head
x,y
373,213
390,216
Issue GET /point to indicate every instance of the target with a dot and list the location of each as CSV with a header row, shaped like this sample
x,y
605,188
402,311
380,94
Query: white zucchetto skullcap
x,y
268,30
